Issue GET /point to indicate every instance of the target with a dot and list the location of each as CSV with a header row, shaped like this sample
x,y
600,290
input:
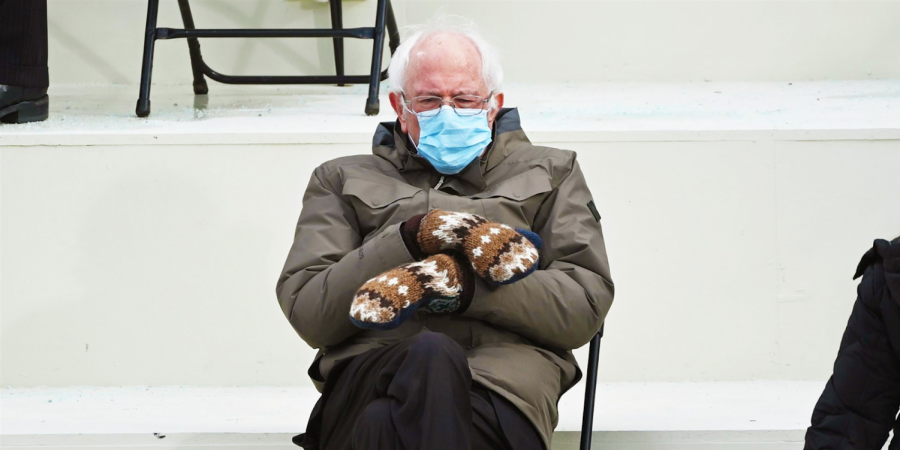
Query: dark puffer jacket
x,y
859,405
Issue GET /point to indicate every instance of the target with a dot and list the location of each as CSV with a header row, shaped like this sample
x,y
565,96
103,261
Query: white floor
x,y
635,416
716,406
93,114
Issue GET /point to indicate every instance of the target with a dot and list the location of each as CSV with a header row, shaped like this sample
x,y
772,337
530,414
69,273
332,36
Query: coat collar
x,y
392,144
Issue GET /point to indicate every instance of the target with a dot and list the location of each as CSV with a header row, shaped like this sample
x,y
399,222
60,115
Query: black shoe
x,y
23,104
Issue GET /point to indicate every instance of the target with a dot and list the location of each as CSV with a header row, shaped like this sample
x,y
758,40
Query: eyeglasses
x,y
429,106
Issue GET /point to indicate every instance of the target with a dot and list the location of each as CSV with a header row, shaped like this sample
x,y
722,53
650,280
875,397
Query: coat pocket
x,y
515,201
378,205
520,187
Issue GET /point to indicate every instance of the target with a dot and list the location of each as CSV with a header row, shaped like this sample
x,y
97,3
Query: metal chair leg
x,y
372,103
590,392
200,86
337,23
393,32
143,103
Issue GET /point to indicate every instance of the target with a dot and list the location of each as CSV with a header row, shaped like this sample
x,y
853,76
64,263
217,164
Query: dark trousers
x,y
23,43
415,394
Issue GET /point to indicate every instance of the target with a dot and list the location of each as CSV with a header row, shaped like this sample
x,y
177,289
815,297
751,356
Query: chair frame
x,y
590,392
384,17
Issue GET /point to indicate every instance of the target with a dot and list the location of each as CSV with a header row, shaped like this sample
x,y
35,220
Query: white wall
x,y
562,40
157,264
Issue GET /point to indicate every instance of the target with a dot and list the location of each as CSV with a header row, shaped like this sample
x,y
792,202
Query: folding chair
x,y
384,16
590,392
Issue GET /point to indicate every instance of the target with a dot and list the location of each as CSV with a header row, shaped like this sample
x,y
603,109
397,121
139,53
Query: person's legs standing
x,y
24,75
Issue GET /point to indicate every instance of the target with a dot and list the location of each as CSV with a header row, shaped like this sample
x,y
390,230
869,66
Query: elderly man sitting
x,y
445,278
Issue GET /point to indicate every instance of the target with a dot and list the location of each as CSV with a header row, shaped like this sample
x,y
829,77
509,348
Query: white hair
x,y
490,61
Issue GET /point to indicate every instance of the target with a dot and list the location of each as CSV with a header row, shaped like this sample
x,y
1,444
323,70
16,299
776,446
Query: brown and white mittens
x,y
499,253
443,282
437,284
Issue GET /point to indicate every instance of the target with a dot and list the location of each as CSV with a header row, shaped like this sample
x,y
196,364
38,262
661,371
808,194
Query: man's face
x,y
442,65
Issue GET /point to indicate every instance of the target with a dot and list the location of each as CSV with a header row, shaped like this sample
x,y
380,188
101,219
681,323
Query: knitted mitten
x,y
438,284
499,253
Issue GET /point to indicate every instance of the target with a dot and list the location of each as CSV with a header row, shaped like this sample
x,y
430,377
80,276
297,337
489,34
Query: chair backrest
x,y
590,391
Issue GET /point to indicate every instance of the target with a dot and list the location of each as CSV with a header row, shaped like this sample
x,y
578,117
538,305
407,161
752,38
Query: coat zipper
x,y
439,183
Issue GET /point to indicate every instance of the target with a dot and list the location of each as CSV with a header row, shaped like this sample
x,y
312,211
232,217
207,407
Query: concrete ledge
x,y
722,415
627,440
551,112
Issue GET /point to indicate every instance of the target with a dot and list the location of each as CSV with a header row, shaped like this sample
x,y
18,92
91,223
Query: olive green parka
x,y
518,337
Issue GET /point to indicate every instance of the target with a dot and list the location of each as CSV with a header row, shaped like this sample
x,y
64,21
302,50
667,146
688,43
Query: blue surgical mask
x,y
450,141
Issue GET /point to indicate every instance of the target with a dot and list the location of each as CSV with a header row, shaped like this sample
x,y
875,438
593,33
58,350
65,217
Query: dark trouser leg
x,y
375,429
487,433
23,43
414,394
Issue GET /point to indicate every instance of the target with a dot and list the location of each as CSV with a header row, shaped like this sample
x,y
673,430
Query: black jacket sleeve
x,y
859,405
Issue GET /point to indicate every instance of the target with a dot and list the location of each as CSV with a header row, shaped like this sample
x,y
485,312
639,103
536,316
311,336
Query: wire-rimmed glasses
x,y
430,106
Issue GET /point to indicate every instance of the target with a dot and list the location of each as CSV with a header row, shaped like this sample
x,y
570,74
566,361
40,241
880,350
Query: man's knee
x,y
374,425
437,347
